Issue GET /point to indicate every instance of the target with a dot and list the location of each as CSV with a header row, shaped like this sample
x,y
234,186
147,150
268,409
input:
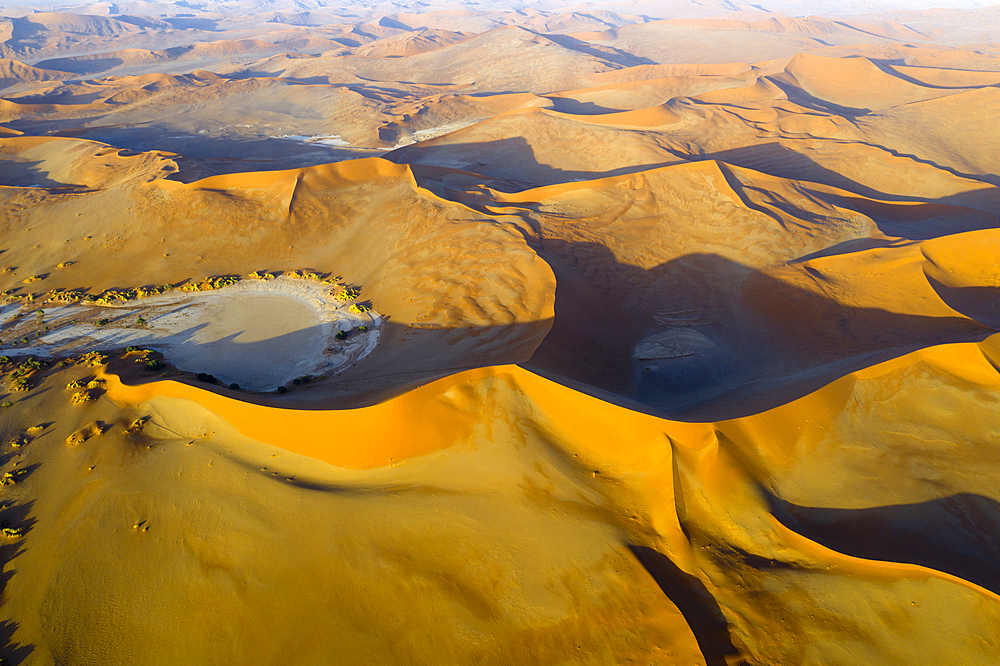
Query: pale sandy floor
x,y
257,334
254,340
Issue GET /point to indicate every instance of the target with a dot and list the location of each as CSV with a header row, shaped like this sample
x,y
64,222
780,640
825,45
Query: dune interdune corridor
x,y
656,332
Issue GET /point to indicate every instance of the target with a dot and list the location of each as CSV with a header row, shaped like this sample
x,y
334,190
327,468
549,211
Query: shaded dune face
x,y
490,336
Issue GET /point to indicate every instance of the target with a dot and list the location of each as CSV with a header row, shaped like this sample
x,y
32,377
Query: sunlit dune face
x,y
659,333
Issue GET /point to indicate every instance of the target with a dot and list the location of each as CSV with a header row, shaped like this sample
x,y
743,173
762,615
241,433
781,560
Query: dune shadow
x,y
404,358
609,54
738,341
29,173
979,303
571,106
511,159
727,340
776,159
803,98
514,159
80,65
13,652
190,23
13,516
958,534
700,609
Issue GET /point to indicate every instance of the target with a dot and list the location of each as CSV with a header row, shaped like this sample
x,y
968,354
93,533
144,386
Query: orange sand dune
x,y
682,344
718,511
409,44
853,82
13,72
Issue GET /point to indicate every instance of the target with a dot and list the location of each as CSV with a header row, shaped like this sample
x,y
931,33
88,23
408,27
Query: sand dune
x,y
13,72
409,44
623,333
550,447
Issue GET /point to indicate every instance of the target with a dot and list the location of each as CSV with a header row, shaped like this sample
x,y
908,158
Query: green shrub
x,y
12,532
348,294
93,359
28,365
103,321
137,425
6,403
81,397
155,364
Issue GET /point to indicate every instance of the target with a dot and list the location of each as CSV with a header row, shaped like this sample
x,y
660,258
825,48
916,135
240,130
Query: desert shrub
x,y
340,335
78,437
362,328
304,275
6,403
65,295
93,359
64,264
20,384
282,389
81,397
4,360
76,384
29,365
131,349
262,275
207,378
155,364
33,278
104,321
10,478
359,308
348,294
12,532
140,322
137,425
96,384
234,386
